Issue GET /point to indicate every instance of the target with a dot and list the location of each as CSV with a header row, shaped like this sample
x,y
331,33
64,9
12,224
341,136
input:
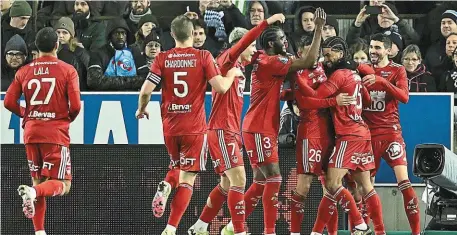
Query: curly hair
x,y
268,35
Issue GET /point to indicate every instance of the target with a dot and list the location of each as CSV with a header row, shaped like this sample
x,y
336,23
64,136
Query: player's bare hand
x,y
141,114
388,13
361,17
276,18
343,99
369,80
320,17
235,72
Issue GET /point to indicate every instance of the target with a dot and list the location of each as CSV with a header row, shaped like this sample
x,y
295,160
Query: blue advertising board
x,y
109,118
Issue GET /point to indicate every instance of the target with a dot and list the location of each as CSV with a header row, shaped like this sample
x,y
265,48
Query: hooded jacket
x,y
420,80
100,59
8,32
16,43
299,32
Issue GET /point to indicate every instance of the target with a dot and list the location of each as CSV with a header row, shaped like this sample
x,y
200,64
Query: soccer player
x,y
224,135
387,89
51,91
261,123
184,73
353,150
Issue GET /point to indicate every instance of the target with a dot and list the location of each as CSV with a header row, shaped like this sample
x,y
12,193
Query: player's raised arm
x,y
308,61
73,94
13,94
236,50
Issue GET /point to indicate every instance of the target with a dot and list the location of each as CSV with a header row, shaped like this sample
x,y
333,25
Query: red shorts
x,y
49,160
262,149
187,152
393,152
313,155
352,155
225,149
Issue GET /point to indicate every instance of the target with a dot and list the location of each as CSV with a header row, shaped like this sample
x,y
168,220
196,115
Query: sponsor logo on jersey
x,y
216,163
32,166
283,60
378,101
47,165
36,114
385,74
364,158
395,150
180,55
180,108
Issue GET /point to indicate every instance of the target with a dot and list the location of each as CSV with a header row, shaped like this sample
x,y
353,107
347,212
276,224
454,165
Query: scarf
x,y
136,18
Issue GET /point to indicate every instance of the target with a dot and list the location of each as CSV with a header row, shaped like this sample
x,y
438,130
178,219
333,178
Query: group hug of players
x,y
349,120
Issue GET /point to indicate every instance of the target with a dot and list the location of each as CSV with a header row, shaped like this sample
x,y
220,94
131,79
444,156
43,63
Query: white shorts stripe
x,y
63,162
223,148
258,144
203,153
340,156
305,155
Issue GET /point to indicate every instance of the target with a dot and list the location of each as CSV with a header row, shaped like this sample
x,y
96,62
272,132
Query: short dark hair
x,y
46,39
268,35
304,41
182,27
200,23
385,39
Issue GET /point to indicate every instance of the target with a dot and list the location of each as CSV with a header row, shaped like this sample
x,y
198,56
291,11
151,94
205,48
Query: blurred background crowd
x,y
113,43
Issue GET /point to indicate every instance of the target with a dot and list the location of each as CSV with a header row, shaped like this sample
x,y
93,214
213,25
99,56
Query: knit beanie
x,y
153,36
16,43
67,24
148,18
451,14
333,22
396,38
20,8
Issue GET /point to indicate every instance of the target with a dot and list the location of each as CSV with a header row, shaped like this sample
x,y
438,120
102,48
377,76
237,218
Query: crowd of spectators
x,y
113,43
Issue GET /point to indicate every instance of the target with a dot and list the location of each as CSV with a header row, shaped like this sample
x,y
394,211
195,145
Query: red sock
x,y
332,224
364,212
271,203
345,199
296,210
326,209
411,205
217,198
359,205
236,207
173,177
49,188
374,208
179,204
40,211
252,196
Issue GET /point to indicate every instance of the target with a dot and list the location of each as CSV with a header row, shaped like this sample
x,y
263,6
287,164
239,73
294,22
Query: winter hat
x,y
153,36
333,22
148,18
20,8
396,38
236,34
67,24
16,43
451,14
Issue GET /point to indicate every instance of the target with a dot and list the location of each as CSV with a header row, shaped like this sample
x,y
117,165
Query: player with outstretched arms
x,y
387,88
353,150
261,123
52,101
224,132
183,73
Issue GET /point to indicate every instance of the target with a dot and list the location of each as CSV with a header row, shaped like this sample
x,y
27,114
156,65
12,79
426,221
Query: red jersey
x,y
51,91
226,108
268,74
347,120
183,73
382,116
316,123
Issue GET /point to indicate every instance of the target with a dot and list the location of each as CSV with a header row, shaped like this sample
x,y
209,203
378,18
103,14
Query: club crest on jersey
x,y
378,101
283,60
395,150
385,74
267,153
234,159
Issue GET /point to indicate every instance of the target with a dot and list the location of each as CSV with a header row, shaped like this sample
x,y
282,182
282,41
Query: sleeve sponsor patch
x,y
283,60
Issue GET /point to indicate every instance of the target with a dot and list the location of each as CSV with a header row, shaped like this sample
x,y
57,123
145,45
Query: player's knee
x,y
187,177
332,184
237,177
304,184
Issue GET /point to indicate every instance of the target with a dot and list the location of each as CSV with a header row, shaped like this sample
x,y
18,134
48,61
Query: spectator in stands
x,y
16,56
387,21
33,51
436,60
113,67
232,16
359,52
5,6
146,25
19,13
304,24
151,48
395,52
138,8
90,32
201,41
70,50
448,81
331,28
419,79
258,11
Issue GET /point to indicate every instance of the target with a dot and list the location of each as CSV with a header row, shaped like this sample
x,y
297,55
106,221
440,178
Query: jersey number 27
x,y
38,86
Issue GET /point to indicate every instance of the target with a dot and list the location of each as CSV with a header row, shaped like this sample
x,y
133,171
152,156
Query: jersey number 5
x,y
177,81
33,100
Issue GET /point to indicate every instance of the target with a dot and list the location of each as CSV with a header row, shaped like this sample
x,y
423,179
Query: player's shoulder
x,y
395,67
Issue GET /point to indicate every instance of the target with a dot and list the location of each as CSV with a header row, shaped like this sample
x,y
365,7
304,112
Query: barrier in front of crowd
x,y
108,118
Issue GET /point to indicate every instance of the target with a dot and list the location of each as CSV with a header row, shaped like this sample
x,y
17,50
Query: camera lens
x,y
429,161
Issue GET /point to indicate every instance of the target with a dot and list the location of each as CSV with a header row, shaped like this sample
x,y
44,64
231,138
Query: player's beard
x,y
376,58
278,48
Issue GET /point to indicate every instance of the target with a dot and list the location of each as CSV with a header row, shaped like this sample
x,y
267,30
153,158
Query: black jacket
x,y
79,59
99,59
7,32
421,80
436,61
7,76
448,81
